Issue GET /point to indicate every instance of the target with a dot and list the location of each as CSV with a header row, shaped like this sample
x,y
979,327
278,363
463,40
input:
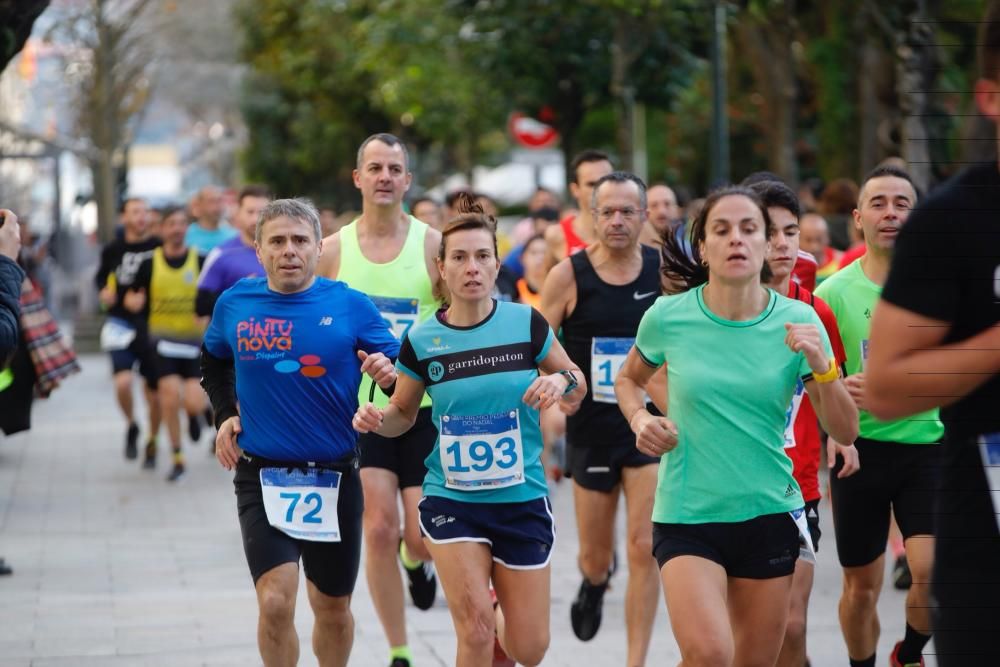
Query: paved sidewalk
x,y
114,566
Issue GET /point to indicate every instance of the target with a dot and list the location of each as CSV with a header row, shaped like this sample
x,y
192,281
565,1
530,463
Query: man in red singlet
x,y
576,232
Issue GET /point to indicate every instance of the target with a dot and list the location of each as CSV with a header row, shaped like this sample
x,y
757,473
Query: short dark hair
x,y
172,209
127,200
989,43
254,190
583,157
387,139
620,177
775,194
546,213
760,177
883,171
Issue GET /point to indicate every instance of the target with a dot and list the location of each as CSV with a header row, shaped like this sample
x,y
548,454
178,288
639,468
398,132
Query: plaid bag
x,y
53,359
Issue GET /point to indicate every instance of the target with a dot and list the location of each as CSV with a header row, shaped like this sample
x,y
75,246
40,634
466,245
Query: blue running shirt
x,y
297,369
489,444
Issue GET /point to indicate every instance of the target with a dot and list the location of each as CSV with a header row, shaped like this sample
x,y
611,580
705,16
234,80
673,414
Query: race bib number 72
x,y
302,503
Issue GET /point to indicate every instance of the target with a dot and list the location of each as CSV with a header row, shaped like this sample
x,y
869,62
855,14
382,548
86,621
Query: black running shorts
x,y
894,476
331,566
764,547
404,455
599,467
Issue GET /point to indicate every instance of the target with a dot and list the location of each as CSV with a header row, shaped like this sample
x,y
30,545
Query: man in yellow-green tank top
x,y
390,256
165,287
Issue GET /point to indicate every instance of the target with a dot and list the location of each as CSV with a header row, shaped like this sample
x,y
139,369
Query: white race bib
x,y
302,503
989,449
116,335
481,451
792,413
607,355
174,350
399,314
799,516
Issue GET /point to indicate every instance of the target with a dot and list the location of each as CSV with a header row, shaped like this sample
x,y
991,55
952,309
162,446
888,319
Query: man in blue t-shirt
x,y
235,258
208,229
282,361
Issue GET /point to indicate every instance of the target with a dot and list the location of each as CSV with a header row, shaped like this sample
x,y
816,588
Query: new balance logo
x,y
326,321
790,491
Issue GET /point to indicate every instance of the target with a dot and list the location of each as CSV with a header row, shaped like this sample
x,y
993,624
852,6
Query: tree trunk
x,y
868,107
623,95
769,49
916,67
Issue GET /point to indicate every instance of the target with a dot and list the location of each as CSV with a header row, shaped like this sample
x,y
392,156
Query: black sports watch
x,y
571,378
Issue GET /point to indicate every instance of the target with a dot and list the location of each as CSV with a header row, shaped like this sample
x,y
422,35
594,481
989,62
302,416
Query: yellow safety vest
x,y
171,298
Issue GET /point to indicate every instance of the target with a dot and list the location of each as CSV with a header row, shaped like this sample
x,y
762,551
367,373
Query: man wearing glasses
x,y
598,296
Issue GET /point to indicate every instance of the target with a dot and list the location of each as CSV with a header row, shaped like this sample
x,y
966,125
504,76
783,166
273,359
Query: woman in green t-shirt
x,y
728,513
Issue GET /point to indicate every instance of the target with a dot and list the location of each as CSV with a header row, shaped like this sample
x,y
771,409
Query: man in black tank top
x,y
598,297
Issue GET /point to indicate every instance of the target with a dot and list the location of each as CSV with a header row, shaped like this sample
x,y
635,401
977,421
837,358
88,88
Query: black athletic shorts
x,y
331,566
599,467
186,368
764,547
966,579
140,351
404,455
894,476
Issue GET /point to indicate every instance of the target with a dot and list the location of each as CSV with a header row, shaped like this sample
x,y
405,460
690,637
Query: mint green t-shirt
x,y
852,297
729,387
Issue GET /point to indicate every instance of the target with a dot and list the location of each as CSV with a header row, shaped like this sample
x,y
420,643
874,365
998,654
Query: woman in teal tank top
x,y
489,367
728,515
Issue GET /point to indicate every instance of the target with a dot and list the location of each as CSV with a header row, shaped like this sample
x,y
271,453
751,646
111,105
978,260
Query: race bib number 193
x,y
481,451
302,503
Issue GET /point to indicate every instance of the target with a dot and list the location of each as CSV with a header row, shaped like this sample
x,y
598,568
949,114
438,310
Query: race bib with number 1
x,y
607,356
302,503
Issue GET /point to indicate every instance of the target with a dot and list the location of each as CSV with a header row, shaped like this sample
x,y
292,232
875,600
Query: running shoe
x,y
399,662
5,569
149,460
901,577
132,442
176,473
894,659
422,583
194,427
585,612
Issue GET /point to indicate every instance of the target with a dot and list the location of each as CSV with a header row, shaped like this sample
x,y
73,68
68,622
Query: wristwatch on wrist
x,y
571,379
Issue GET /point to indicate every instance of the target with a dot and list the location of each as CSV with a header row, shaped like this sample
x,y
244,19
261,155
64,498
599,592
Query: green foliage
x,y
445,74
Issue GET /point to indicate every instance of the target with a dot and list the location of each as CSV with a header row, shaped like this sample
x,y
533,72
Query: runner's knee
x,y
277,606
381,532
596,562
706,653
527,649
